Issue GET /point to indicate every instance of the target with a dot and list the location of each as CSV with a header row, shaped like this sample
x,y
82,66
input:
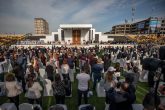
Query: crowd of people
x,y
117,69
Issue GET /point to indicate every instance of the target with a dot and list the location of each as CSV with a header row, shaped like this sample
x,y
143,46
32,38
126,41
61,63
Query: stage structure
x,y
76,34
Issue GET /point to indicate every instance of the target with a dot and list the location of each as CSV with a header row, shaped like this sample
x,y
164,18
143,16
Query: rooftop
x,y
76,26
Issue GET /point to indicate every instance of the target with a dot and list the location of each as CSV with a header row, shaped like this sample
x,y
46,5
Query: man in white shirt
x,y
83,85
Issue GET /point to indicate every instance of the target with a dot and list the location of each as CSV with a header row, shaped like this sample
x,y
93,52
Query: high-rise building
x,y
41,26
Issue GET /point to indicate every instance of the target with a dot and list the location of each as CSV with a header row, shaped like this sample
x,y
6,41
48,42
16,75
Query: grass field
x,y
71,102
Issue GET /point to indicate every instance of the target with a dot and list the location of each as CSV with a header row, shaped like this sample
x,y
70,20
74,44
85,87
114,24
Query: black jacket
x,y
120,101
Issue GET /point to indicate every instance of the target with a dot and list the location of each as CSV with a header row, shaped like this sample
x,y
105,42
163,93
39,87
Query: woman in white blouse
x,y
33,90
13,88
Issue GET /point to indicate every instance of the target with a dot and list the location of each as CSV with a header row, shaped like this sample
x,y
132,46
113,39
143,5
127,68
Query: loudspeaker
x,y
162,53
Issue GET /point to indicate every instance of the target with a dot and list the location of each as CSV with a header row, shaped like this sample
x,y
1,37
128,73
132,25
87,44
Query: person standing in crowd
x,y
59,90
68,87
129,79
136,76
149,102
22,61
29,71
83,85
128,66
60,59
70,61
109,82
163,71
13,88
87,67
117,72
93,60
20,68
76,61
34,89
43,59
120,100
97,70
50,71
65,69
36,64
107,62
2,60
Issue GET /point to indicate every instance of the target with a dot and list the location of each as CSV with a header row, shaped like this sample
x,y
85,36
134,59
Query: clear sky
x,y
17,16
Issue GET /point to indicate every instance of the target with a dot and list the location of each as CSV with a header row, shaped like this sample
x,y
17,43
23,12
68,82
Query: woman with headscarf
x,y
109,82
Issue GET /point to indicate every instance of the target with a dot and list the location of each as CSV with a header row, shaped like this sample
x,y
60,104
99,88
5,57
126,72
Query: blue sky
x,y
17,16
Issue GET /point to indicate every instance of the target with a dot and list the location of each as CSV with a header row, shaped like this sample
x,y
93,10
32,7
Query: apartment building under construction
x,y
41,26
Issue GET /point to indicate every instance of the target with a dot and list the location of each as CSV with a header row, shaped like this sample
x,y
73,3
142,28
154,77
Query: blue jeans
x,y
96,78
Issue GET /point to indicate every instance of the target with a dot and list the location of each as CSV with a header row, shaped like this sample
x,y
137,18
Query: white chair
x,y
100,90
8,106
62,105
84,105
37,105
25,106
48,91
137,106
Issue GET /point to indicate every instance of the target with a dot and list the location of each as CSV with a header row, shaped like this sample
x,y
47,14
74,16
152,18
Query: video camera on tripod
x,y
155,65
156,68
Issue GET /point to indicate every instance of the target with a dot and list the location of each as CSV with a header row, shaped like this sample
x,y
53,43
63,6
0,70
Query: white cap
x,y
111,68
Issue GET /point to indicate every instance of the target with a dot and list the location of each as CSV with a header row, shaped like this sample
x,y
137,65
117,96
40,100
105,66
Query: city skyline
x,y
17,16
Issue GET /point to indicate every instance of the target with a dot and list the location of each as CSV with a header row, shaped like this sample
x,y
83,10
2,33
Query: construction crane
x,y
133,8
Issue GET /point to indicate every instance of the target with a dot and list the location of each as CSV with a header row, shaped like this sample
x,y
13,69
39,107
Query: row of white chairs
x,y
27,106
23,106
